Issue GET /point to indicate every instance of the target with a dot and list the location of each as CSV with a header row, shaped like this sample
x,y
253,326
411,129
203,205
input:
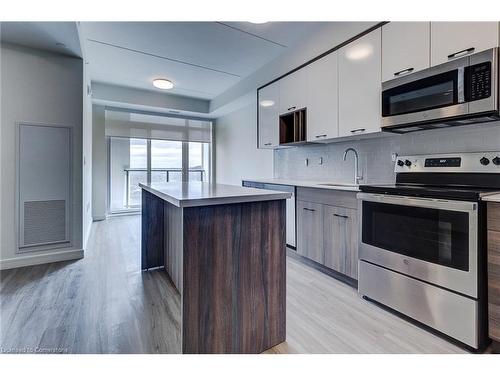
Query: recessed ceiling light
x,y
267,103
163,84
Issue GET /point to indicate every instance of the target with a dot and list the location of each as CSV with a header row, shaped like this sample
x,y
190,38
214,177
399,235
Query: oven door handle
x,y
440,204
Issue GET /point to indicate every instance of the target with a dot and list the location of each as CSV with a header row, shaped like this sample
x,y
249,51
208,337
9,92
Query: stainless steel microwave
x,y
459,92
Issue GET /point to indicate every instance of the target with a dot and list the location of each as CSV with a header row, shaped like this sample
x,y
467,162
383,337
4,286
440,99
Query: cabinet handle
x,y
342,216
309,209
267,144
358,130
403,72
291,108
321,136
461,53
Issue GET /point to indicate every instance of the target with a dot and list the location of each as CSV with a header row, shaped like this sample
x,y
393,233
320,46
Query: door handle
x,y
358,130
403,72
461,53
342,216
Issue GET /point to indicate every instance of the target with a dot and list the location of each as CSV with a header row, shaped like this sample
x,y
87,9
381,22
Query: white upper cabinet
x,y
268,102
405,48
322,98
360,77
451,40
293,91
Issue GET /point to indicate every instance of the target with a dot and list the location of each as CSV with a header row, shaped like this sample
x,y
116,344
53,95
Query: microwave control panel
x,y
479,81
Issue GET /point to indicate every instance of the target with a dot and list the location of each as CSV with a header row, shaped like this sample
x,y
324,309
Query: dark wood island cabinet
x,y
224,249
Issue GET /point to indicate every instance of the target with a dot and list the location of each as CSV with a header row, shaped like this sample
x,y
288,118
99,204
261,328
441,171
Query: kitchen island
x,y
224,249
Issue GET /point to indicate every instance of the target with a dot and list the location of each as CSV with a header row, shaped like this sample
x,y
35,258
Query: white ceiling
x,y
43,35
203,59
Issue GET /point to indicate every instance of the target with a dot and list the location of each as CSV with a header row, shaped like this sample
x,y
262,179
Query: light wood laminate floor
x,y
105,304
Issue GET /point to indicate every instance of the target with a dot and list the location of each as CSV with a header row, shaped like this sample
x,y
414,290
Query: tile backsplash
x,y
375,154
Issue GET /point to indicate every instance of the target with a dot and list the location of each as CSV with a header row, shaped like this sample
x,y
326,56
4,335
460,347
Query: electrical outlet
x,y
394,156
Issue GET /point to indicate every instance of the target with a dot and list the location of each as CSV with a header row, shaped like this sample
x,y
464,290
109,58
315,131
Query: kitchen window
x,y
146,148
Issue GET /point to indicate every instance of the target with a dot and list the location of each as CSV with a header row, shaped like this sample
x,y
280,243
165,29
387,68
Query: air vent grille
x,y
44,222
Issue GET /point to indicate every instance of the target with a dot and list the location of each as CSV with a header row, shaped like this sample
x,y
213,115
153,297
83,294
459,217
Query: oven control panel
x,y
442,162
473,162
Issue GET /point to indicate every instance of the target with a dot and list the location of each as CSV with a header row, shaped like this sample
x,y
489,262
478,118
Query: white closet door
x,y
44,180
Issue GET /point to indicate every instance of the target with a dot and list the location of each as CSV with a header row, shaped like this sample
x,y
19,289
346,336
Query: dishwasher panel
x,y
290,207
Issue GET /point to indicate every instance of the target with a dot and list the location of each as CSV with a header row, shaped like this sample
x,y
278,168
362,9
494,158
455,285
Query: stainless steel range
x,y
422,244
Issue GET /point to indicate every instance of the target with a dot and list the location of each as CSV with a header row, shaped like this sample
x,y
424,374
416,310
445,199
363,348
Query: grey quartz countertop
x,y
492,198
193,194
305,183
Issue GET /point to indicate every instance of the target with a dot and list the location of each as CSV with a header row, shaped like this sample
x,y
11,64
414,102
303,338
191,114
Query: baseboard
x,y
99,218
31,260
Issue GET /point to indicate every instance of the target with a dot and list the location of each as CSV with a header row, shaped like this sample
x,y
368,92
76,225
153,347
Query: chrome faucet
x,y
357,176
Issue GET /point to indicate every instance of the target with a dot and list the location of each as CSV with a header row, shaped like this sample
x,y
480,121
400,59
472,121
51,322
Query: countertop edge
x,y
211,201
305,184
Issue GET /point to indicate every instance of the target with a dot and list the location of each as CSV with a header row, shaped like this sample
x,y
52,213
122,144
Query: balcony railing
x,y
136,175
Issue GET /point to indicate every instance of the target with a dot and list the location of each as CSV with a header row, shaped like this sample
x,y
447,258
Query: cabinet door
x,y
268,101
310,230
293,91
360,75
455,39
341,240
322,98
405,48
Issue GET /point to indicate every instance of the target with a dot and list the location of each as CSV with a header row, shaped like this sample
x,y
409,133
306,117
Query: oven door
x,y
432,240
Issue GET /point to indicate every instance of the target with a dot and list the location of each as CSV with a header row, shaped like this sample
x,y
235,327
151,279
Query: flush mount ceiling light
x,y
163,84
359,52
257,22
267,103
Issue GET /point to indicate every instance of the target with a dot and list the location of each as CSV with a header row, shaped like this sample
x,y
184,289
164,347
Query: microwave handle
x,y
461,53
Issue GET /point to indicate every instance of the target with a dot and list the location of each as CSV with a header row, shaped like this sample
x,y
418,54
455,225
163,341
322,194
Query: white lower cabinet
x,y
360,77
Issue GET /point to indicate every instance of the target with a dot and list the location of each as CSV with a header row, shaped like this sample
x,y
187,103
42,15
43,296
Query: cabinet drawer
x,y
326,196
310,230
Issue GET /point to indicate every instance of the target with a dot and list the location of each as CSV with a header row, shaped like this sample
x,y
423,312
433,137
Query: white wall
x,y
236,153
87,156
38,86
99,164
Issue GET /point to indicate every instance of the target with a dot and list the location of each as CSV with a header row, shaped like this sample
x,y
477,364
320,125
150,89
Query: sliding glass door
x,y
133,161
